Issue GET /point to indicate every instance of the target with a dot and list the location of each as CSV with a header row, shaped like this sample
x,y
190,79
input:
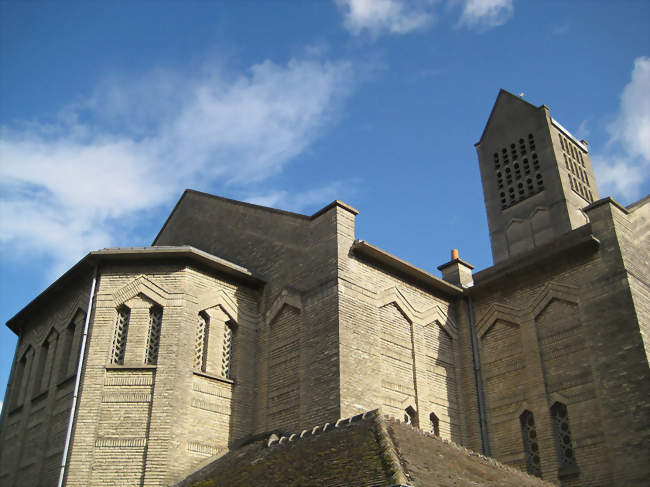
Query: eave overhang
x,y
187,254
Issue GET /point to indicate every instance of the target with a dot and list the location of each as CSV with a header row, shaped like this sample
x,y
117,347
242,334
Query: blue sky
x,y
108,111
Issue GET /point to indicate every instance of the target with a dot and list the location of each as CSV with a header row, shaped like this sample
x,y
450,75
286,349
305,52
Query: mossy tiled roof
x,y
364,451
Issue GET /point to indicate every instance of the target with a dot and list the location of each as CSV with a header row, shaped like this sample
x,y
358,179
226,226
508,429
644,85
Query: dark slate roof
x,y
367,450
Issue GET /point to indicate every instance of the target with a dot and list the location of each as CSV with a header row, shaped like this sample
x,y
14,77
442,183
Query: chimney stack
x,y
457,271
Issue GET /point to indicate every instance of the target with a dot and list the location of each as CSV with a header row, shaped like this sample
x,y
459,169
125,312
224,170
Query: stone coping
x,y
188,191
456,261
375,254
576,241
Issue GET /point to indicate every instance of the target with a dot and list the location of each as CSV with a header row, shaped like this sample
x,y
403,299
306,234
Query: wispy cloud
x,y
486,14
625,165
397,17
393,16
74,183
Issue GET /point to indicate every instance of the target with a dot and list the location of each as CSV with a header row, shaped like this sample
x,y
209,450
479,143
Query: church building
x,y
141,366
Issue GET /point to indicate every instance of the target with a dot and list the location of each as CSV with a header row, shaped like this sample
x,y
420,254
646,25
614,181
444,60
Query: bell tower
x,y
536,177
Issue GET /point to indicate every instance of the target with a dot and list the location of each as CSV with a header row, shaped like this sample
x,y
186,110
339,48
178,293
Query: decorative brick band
x,y
396,387
203,448
210,406
144,397
128,380
213,389
116,442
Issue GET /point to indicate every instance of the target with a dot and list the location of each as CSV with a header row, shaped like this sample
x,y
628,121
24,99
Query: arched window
x,y
411,416
153,336
119,338
563,443
435,424
531,447
226,361
201,342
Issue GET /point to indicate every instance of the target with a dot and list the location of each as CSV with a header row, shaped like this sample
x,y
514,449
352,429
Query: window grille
x,y
153,337
200,348
531,447
226,361
119,338
435,424
563,443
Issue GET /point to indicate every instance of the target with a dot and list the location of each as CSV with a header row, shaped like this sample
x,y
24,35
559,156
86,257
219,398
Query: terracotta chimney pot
x,y
454,254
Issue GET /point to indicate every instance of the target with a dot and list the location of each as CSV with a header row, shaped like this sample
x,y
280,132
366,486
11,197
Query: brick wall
x,y
565,331
38,398
147,423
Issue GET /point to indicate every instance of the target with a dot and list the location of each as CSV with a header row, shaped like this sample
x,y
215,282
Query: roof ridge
x,y
389,456
489,460
274,439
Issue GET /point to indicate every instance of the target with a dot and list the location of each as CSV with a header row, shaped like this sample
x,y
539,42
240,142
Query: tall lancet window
x,y
563,443
531,447
201,341
411,416
226,361
153,336
435,424
119,337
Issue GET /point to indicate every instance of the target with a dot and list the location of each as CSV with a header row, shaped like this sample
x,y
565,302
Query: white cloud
x,y
486,14
405,16
74,183
632,128
394,16
625,166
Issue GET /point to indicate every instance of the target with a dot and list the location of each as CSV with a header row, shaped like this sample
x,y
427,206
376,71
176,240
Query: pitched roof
x,y
362,451
271,211
504,94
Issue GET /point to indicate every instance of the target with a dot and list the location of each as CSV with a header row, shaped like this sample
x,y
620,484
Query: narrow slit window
x,y
201,341
563,443
435,424
226,361
411,416
119,338
153,337
531,446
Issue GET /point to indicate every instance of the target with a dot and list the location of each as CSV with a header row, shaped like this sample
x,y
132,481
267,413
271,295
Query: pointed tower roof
x,y
503,95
